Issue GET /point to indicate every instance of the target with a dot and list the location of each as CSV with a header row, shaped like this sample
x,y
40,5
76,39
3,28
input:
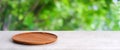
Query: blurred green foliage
x,y
59,15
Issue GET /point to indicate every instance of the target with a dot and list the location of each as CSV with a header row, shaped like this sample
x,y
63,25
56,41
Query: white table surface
x,y
67,40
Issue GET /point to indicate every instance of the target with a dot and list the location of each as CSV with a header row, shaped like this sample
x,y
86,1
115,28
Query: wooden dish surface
x,y
34,38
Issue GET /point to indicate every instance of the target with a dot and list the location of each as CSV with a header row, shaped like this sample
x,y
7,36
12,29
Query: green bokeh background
x,y
59,15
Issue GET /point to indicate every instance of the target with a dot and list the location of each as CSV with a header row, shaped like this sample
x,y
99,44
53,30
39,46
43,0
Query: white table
x,y
67,40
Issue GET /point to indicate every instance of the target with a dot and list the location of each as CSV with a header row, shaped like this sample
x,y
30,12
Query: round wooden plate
x,y
34,38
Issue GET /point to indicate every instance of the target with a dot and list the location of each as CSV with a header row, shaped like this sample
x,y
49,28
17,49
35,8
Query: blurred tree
x,y
59,15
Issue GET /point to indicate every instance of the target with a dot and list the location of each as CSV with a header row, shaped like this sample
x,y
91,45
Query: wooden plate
x,y
34,38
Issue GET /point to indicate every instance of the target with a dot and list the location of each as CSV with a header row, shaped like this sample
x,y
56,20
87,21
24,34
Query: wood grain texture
x,y
34,38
